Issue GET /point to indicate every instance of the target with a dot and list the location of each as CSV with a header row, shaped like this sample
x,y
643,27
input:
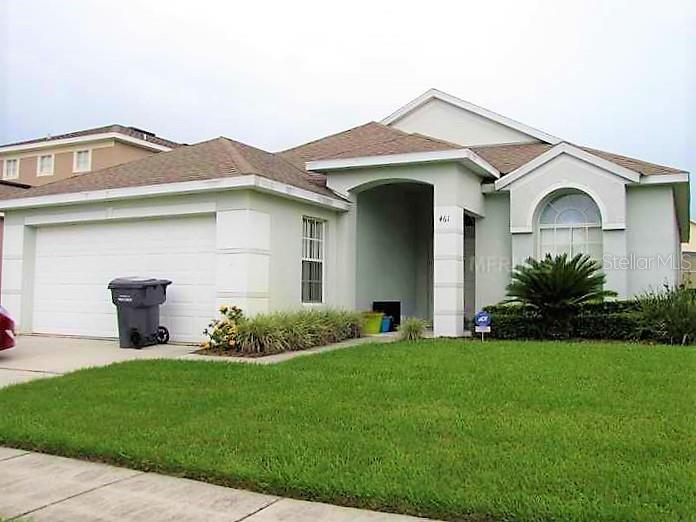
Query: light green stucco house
x,y
430,208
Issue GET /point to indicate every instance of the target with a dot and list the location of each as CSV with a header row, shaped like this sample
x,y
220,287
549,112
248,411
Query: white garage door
x,y
74,264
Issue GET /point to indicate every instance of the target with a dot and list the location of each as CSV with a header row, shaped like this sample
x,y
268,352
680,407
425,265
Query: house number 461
x,y
444,218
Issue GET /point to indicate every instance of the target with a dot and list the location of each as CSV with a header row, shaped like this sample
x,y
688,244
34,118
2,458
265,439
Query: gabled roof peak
x,y
436,94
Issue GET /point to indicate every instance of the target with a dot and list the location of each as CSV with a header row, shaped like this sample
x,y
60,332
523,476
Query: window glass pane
x,y
11,168
579,240
594,235
570,216
82,160
570,209
312,257
45,164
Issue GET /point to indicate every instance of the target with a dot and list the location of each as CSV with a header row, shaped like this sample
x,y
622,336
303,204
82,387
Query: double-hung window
x,y
82,160
11,169
44,165
312,260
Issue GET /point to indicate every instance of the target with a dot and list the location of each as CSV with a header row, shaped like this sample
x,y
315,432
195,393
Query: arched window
x,y
570,223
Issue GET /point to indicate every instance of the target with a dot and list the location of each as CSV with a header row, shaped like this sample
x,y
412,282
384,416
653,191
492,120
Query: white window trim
x,y
4,168
89,160
323,261
38,164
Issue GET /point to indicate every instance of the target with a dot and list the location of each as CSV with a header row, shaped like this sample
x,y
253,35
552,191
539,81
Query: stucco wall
x,y
653,239
285,243
493,250
117,154
441,120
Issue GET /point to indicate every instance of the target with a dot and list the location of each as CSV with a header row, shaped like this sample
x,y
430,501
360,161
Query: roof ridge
x,y
329,136
349,149
119,128
304,174
238,156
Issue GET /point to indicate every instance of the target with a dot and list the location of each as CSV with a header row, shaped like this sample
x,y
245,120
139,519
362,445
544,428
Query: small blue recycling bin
x,y
386,324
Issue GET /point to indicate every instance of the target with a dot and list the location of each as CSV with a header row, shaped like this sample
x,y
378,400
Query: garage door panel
x,y
75,263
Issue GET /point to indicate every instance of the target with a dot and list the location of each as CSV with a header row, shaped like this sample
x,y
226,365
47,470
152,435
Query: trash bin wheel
x,y
162,335
135,338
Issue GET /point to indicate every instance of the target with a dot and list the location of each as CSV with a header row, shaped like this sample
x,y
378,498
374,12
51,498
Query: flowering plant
x,y
221,334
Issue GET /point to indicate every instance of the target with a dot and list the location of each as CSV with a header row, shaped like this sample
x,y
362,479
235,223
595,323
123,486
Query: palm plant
x,y
554,287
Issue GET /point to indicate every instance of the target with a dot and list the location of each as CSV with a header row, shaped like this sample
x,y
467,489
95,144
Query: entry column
x,y
448,271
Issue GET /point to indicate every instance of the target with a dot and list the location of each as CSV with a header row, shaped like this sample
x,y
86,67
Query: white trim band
x,y
467,156
183,187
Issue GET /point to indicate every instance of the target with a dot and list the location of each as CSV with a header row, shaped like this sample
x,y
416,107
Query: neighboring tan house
x,y
44,160
689,258
428,210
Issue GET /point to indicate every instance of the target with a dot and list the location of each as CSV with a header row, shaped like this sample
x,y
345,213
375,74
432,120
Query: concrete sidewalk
x,y
38,487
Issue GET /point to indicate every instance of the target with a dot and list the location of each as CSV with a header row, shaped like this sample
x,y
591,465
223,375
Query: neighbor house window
x,y
44,165
11,169
570,223
312,260
82,160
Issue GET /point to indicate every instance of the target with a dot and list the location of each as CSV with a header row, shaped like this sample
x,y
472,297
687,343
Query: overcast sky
x,y
612,74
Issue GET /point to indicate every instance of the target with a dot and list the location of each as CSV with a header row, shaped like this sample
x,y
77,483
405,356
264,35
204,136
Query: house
x,y
429,209
44,160
48,159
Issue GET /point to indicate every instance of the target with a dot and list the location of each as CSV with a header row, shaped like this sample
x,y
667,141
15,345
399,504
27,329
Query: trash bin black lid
x,y
137,282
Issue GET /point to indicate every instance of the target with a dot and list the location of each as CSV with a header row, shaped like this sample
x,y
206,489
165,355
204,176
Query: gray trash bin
x,y
137,301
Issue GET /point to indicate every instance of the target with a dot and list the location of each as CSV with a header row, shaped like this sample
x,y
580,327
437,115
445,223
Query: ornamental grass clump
x,y
266,334
412,329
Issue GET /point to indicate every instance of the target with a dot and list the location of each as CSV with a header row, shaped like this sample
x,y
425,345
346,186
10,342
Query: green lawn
x,y
446,429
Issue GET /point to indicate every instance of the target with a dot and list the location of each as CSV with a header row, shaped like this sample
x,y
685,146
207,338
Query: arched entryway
x,y
395,247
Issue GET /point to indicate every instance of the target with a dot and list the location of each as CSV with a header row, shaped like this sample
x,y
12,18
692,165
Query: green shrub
x,y
277,332
554,288
516,326
623,326
592,321
670,315
412,329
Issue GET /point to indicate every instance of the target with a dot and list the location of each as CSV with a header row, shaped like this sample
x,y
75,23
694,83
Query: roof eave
x,y
464,156
24,147
253,182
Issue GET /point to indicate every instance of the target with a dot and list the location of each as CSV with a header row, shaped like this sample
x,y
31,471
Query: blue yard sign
x,y
482,323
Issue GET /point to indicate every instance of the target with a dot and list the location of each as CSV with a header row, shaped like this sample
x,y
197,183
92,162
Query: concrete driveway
x,y
36,357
